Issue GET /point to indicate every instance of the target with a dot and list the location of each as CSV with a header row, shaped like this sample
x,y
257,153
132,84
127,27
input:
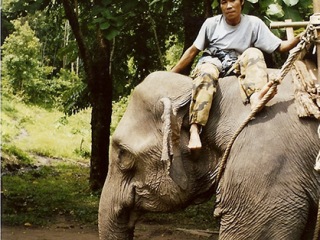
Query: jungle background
x,y
67,70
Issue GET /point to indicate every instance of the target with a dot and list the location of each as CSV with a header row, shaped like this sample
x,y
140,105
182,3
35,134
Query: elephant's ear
x,y
172,118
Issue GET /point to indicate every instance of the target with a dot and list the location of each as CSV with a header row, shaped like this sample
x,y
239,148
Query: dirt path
x,y
73,232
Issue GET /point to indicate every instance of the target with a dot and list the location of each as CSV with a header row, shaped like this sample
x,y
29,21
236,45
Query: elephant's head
x,y
151,168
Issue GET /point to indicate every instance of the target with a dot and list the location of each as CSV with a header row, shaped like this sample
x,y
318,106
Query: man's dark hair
x,y
220,1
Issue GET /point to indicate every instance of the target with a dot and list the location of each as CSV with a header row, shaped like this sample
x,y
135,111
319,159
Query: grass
x,y
39,196
47,133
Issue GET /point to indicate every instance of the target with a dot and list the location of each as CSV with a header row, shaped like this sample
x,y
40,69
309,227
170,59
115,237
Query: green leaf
x,y
215,4
306,3
129,6
247,8
107,14
98,20
104,25
111,34
292,13
265,4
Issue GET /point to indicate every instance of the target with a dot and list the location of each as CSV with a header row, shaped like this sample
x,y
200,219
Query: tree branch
x,y
75,26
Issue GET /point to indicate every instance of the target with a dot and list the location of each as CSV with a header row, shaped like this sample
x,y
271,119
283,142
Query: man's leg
x,y
254,77
204,86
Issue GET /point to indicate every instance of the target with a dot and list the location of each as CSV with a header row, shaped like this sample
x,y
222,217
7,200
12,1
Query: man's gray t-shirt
x,y
250,32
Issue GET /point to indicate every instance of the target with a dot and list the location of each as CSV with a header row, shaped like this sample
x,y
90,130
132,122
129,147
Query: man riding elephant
x,y
233,43
269,189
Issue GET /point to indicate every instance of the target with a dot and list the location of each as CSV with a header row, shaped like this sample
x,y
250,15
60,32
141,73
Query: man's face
x,y
231,9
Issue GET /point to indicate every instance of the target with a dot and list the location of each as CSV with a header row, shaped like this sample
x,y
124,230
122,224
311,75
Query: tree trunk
x,y
208,8
96,65
101,100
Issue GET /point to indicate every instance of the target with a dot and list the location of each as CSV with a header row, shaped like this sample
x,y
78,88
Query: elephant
x,y
269,189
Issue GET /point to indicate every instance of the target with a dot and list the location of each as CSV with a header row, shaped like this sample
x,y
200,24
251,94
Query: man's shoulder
x,y
252,18
214,19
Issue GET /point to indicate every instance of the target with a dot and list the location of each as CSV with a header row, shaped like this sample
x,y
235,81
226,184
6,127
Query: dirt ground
x,y
77,232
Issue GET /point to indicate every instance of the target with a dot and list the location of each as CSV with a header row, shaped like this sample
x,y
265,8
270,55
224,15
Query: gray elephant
x,y
269,189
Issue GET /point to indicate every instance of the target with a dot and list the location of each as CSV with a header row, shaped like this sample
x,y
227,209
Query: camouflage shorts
x,y
252,71
205,76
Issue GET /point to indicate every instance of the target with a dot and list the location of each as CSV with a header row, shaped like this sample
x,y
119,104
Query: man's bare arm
x,y
287,45
186,59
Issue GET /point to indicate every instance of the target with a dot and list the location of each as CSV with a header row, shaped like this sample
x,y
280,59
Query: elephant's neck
x,y
227,112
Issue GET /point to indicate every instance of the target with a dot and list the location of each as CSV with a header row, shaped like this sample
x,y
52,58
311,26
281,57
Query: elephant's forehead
x,y
137,131
136,139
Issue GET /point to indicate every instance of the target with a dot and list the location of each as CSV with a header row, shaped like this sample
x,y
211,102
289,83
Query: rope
x,y
262,103
308,36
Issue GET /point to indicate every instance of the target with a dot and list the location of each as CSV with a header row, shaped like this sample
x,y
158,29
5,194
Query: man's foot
x,y
257,96
195,141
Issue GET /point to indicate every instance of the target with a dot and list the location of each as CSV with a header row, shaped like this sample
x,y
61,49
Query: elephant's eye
x,y
120,152
125,160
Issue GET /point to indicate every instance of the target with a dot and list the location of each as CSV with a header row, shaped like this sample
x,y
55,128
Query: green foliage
x,y
280,9
21,57
173,53
41,195
138,33
119,108
76,98
146,37
111,16
25,75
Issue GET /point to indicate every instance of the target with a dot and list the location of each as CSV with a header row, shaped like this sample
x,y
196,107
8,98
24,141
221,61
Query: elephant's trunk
x,y
115,212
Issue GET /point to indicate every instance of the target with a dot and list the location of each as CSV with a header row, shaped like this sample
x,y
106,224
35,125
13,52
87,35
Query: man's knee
x,y
208,69
253,53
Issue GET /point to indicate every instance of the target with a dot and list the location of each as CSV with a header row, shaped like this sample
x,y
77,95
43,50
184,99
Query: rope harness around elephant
x,y
310,36
293,56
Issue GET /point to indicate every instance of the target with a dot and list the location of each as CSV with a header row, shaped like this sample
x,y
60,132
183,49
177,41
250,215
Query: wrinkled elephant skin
x,y
151,168
269,189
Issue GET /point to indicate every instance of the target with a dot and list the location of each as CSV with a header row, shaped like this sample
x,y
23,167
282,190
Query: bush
x,y
24,73
21,58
